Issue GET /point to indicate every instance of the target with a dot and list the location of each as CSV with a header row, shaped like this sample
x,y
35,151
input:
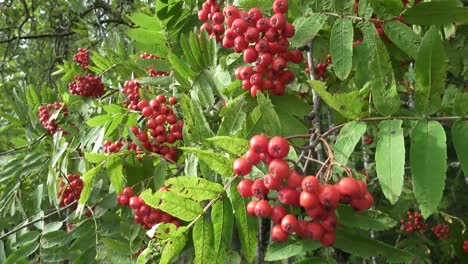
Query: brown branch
x,y
40,36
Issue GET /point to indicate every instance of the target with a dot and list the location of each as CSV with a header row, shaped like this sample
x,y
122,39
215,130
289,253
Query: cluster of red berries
x,y
441,231
132,90
68,193
211,12
162,127
89,86
144,214
264,42
414,223
82,58
151,71
319,201
45,112
320,70
465,245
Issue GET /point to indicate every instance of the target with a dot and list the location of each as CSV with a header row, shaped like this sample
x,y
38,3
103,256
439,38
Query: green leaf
x,y
114,171
195,188
191,52
88,183
203,241
95,157
179,66
460,142
22,253
341,47
263,119
55,238
159,174
460,104
436,13
233,117
174,204
52,226
27,238
236,146
246,225
387,8
428,155
223,224
114,109
290,248
172,248
217,162
383,85
349,137
195,121
390,158
99,120
430,70
403,37
349,105
359,244
307,28
367,220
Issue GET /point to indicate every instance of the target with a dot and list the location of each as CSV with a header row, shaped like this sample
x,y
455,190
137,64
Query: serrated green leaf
x,y
172,248
233,117
358,244
156,80
160,173
88,183
460,142
217,162
114,109
27,238
117,120
174,204
436,13
195,121
349,105
403,37
22,253
95,157
195,188
193,58
55,239
346,142
387,8
99,120
390,158
179,66
430,70
290,248
263,119
223,223
203,241
307,28
383,84
428,155
341,47
367,220
52,226
236,146
114,171
246,225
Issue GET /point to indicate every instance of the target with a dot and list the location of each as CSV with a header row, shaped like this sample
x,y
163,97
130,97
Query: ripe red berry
x,y
277,213
263,209
278,234
278,147
217,18
259,143
253,157
231,12
348,187
239,26
271,182
329,197
278,21
280,6
315,231
241,167
302,229
279,64
288,195
245,188
289,223
294,179
316,212
252,35
128,191
251,207
328,239
258,189
288,31
364,203
250,55
134,202
279,168
329,222
172,100
308,200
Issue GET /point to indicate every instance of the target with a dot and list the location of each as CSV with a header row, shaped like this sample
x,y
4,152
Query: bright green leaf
x,y
195,188
223,223
203,241
436,13
174,204
307,28
290,248
95,157
367,220
390,158
172,248
114,171
88,183
341,47
428,155
350,135
217,162
237,146
403,37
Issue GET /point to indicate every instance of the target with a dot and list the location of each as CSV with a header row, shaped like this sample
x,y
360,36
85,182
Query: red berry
x,y
278,234
258,189
315,231
239,26
278,147
250,55
147,111
329,197
263,209
329,222
279,168
245,188
348,187
252,35
289,223
241,167
172,100
128,191
280,6
315,213
134,202
271,182
294,179
364,203
288,195
251,207
328,239
308,200
278,21
277,213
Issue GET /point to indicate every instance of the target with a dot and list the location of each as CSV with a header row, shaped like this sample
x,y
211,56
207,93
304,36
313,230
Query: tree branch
x,y
45,35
